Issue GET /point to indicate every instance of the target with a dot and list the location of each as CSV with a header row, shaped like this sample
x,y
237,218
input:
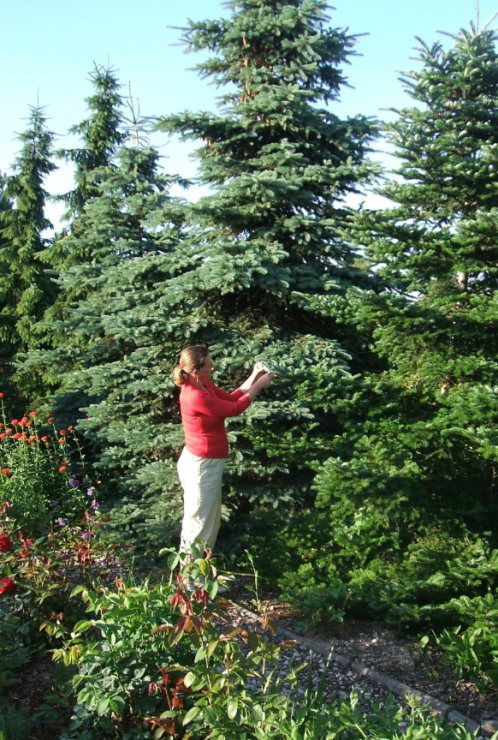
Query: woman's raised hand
x,y
265,379
258,385
259,369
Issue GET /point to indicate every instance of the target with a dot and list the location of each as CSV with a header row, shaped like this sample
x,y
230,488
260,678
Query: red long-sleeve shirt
x,y
203,416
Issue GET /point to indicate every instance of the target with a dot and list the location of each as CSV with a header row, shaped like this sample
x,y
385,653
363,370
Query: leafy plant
x,y
36,477
36,578
15,722
468,652
153,656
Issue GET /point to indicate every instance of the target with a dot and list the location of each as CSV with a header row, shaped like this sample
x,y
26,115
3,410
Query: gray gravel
x,y
339,681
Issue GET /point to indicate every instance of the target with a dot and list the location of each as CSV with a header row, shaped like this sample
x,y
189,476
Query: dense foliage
x,y
407,499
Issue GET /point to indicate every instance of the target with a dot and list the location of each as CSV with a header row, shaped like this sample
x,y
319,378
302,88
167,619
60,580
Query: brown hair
x,y
192,358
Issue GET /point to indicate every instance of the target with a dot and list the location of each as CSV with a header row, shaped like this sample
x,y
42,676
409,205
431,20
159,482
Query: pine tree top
x,y
25,289
100,135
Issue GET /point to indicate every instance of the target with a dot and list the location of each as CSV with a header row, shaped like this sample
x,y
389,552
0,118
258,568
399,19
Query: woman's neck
x,y
197,382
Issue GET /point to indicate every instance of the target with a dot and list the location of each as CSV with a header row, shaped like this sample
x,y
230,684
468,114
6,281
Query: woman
x,y
204,408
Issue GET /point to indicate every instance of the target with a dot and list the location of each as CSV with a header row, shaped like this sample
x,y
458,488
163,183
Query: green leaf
x,y
210,715
232,708
211,648
117,704
78,590
204,566
102,706
212,589
253,640
83,626
191,714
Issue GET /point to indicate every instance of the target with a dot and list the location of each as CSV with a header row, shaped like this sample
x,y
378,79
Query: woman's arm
x,y
258,385
204,403
211,406
219,393
258,371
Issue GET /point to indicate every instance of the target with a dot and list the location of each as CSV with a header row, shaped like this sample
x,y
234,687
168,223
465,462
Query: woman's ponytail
x,y
179,376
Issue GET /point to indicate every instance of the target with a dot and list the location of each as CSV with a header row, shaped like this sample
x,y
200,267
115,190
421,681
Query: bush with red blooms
x,y
36,579
36,473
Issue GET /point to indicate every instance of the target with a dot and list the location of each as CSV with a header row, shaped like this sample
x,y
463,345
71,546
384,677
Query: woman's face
x,y
207,369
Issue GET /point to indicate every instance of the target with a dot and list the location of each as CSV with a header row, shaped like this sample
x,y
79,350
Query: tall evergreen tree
x,y
25,290
113,357
7,387
253,257
100,136
112,229
266,241
419,453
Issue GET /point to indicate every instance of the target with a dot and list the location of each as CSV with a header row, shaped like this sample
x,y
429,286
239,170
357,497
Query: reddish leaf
x,y
162,628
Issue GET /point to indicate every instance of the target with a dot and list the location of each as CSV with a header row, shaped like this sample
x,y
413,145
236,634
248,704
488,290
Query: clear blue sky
x,y
49,47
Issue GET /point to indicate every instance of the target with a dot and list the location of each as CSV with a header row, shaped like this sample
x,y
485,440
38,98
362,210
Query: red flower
x,y
7,585
5,471
33,413
1,425
24,420
14,422
29,423
27,545
3,435
44,439
50,420
70,429
62,441
9,431
17,435
62,469
1,395
5,543
62,432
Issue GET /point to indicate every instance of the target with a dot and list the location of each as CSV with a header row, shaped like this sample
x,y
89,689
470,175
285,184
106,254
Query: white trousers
x,y
201,479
